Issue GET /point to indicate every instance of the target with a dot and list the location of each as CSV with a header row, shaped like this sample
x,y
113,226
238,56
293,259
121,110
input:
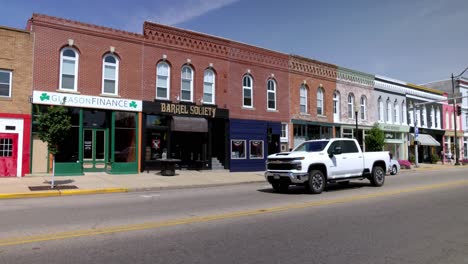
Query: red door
x,y
8,154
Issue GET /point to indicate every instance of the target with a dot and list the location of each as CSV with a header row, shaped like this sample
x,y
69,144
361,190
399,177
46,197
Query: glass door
x,y
94,149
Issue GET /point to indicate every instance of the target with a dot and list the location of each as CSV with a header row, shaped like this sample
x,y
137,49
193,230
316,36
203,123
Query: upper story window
x,y
351,106
186,89
271,94
424,116
336,103
320,101
163,77
5,83
247,91
403,113
381,109
303,99
110,76
396,112
438,118
284,132
432,117
69,69
389,111
209,87
363,107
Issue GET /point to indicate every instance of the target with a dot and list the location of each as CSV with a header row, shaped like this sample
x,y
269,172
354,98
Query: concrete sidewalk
x,y
93,183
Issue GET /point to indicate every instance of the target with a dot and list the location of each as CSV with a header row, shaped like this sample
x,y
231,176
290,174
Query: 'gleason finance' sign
x,y
50,98
181,109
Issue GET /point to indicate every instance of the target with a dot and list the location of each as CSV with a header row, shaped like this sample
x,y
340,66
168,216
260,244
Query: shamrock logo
x,y
44,96
133,104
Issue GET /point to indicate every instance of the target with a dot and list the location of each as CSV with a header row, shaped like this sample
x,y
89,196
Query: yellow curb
x,y
29,195
92,191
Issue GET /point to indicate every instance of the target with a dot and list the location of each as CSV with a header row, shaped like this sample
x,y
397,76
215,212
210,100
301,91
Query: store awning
x,y
426,140
189,124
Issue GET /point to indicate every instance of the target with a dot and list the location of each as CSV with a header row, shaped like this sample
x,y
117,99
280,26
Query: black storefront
x,y
426,150
197,135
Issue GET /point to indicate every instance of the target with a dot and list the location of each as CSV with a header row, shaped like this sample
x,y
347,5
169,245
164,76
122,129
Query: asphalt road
x,y
413,218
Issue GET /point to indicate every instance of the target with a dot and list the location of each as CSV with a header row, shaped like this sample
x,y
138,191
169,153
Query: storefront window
x,y
156,121
156,145
95,118
256,149
348,133
125,137
238,149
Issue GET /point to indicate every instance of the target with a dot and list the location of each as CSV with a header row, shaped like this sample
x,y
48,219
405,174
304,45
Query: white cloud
x,y
175,12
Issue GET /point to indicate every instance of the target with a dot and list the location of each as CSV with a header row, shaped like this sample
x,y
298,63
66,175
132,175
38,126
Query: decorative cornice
x,y
407,90
312,67
425,89
355,77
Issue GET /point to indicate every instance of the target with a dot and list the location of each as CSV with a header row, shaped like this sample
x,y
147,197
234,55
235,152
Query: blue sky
x,y
411,40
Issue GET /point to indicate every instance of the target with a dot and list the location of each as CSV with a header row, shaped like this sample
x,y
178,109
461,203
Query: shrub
x,y
405,164
412,159
464,161
434,159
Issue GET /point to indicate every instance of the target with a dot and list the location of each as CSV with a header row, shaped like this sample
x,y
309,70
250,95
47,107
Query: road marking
x,y
150,195
202,219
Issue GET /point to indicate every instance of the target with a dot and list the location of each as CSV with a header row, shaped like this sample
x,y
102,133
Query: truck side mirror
x,y
335,151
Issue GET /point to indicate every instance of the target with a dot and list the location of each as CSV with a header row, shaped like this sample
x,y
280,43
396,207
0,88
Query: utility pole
x,y
416,132
455,121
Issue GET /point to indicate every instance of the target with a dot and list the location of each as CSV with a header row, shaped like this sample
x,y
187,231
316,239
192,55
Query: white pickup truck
x,y
315,163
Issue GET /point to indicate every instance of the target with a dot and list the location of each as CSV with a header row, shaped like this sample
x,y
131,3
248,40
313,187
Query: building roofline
x,y
15,29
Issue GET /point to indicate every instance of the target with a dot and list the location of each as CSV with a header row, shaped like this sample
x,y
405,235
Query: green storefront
x,y
396,140
104,135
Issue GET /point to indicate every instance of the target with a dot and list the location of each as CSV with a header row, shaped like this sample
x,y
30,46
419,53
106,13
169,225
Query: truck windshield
x,y
314,146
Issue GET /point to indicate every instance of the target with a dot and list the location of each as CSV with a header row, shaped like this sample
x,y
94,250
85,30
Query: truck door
x,y
352,158
336,162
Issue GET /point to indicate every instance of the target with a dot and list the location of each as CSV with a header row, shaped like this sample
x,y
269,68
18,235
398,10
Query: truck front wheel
x,y
317,181
377,177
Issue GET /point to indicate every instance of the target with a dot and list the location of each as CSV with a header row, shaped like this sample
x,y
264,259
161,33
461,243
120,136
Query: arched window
x,y
396,112
186,89
381,109
163,77
389,111
424,116
110,75
271,94
432,113
247,91
336,106
209,87
403,113
68,69
320,101
351,106
363,108
438,118
303,99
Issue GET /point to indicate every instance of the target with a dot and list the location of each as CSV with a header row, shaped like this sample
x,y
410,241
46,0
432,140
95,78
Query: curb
x,y
61,193
147,189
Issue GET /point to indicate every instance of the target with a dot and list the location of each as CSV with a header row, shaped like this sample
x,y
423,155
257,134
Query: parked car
x,y
394,167
315,163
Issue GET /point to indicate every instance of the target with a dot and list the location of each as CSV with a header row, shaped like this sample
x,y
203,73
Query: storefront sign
x,y
50,98
394,128
181,109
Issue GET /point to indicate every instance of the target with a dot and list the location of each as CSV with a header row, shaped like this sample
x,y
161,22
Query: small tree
x,y
53,127
375,140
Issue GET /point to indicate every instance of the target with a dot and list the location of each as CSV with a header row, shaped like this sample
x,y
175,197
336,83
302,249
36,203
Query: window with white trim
x,y
247,91
284,132
271,94
238,149
396,112
209,87
68,69
6,147
424,116
5,83
303,99
403,113
363,107
432,113
351,106
381,110
163,74
110,75
186,89
389,111
336,103
320,101
256,149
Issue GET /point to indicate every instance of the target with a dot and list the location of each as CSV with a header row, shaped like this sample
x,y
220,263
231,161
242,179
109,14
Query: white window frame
x,y
168,80
250,88
10,73
424,116
211,83
245,149
389,111
363,107
250,149
439,119
432,113
396,112
336,104
381,110
303,95
76,60
116,77
182,79
404,119
284,128
351,106
271,89
320,104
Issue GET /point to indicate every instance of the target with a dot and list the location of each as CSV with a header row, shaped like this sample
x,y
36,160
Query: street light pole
x,y
457,162
356,112
415,126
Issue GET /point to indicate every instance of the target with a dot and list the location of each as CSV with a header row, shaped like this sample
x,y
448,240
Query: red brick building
x,y
312,84
137,98
15,110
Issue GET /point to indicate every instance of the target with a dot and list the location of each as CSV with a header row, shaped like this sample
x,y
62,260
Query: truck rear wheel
x,y
280,187
377,177
317,181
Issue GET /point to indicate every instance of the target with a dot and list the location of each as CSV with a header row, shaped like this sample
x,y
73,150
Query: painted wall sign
x,y
51,98
180,109
395,128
